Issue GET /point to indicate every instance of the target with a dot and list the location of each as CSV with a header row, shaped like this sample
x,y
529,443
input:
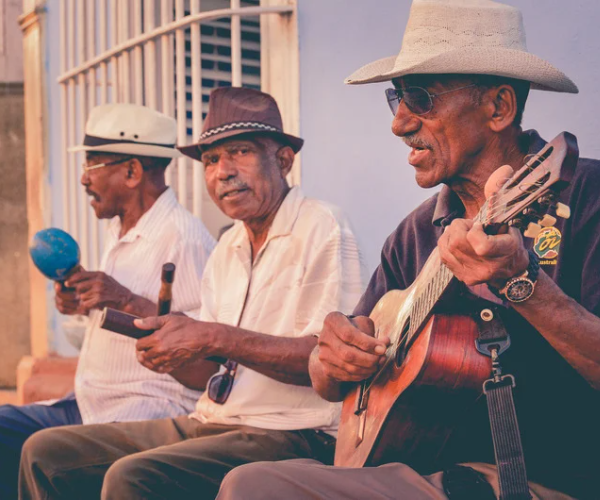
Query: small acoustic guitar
x,y
407,410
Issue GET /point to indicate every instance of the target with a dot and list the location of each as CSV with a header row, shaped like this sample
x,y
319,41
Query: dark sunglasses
x,y
417,99
220,385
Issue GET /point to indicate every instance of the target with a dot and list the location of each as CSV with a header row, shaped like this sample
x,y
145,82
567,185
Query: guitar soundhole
x,y
401,348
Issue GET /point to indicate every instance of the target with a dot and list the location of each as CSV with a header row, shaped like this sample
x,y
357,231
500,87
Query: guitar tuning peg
x,y
548,221
563,210
532,230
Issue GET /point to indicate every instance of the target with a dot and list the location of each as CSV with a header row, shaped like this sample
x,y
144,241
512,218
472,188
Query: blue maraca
x,y
55,253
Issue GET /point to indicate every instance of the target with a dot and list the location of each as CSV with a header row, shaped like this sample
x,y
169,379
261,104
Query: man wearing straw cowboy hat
x,y
460,83
286,262
127,149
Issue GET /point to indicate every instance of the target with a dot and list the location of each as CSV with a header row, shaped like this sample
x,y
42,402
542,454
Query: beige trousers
x,y
311,480
155,459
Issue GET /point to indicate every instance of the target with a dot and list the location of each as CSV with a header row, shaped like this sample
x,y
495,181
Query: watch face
x,y
520,290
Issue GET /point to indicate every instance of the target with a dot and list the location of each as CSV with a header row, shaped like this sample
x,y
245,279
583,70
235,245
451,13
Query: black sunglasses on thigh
x,y
221,384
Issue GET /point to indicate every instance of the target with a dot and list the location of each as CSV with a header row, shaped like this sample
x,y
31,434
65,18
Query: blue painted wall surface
x,y
351,157
57,340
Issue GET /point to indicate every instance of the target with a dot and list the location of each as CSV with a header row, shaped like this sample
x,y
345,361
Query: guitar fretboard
x,y
424,302
437,285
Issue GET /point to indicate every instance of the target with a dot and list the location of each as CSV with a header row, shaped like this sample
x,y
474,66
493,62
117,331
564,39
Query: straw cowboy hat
x,y
130,129
236,110
466,37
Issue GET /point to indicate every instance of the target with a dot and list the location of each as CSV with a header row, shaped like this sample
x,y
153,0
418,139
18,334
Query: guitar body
x,y
412,408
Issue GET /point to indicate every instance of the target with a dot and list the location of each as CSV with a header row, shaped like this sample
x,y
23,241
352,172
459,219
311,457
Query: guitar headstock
x,y
525,199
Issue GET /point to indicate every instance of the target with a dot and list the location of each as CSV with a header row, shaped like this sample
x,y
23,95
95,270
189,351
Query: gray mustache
x,y
229,185
412,142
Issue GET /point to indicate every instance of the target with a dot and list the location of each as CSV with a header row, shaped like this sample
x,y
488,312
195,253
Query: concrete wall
x,y
14,279
352,159
11,43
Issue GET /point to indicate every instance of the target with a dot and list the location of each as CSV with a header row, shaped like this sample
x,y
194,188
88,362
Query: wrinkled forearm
x,y
284,359
196,374
570,328
328,388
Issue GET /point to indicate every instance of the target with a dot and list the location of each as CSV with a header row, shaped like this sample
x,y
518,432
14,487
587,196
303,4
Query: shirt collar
x,y
150,221
449,206
284,221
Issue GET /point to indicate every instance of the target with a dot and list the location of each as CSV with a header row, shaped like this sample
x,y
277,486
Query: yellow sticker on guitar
x,y
547,244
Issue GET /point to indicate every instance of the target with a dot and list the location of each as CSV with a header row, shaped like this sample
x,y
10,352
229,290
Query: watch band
x,y
532,272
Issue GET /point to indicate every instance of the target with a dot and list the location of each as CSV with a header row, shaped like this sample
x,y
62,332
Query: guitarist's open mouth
x,y
419,150
417,155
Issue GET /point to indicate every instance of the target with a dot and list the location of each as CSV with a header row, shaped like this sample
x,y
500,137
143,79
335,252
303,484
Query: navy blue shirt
x,y
558,411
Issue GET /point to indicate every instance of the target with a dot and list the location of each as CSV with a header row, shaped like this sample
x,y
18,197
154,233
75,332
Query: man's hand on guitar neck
x,y
346,352
475,257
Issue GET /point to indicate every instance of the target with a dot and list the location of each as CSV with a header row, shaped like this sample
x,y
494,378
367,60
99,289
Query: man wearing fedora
x,y
127,148
287,261
460,83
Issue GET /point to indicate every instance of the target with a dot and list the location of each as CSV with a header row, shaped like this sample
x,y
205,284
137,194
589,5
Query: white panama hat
x,y
465,37
130,129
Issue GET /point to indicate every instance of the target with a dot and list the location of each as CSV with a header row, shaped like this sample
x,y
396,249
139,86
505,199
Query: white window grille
x,y
166,54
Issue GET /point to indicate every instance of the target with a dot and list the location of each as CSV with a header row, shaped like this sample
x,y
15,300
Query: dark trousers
x,y
153,459
17,423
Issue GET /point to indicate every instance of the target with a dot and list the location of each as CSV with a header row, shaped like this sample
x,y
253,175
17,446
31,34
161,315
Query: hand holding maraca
x,y
93,290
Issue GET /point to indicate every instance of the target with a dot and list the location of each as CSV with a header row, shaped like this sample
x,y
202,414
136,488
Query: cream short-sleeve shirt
x,y
309,266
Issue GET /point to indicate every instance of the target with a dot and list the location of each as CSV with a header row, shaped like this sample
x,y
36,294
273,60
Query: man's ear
x,y
285,159
134,173
502,102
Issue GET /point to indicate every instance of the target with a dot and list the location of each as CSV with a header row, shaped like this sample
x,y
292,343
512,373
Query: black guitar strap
x,y
493,341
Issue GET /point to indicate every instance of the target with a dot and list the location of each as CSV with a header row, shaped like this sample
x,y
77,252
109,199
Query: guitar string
x,y
530,159
524,187
401,340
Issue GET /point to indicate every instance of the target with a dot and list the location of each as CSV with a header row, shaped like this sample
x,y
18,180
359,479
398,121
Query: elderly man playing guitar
x,y
459,90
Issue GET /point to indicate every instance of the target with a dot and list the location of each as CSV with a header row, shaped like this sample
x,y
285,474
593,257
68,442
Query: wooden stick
x,y
165,295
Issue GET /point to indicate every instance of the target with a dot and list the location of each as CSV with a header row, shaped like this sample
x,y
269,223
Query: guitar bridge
x,y
361,411
363,398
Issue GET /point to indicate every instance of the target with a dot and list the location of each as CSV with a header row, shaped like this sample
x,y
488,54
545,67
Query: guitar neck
x,y
430,295
434,289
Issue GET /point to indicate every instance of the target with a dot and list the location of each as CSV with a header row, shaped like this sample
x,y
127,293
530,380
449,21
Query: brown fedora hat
x,y
237,110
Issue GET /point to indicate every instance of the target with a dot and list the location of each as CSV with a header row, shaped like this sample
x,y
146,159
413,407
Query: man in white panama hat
x,y
127,149
460,83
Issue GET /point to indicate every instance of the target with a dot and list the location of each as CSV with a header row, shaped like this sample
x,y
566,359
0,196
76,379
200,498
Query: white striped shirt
x,y
110,384
308,266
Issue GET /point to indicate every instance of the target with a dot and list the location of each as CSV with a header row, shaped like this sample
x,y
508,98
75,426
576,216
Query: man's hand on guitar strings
x,y
475,257
347,349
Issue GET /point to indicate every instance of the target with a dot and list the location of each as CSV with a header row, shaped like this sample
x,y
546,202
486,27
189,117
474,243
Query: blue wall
x,y
57,340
